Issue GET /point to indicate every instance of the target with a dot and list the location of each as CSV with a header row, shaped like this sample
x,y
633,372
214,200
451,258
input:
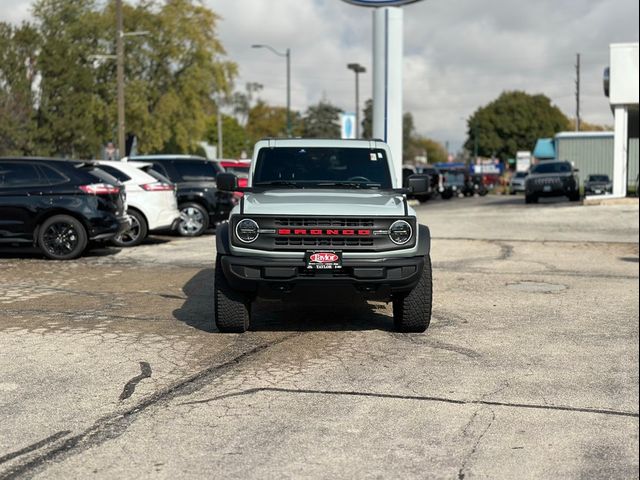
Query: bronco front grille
x,y
323,242
323,222
301,233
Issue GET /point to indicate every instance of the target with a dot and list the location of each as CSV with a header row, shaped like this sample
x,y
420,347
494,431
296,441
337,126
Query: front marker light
x,y
247,230
400,232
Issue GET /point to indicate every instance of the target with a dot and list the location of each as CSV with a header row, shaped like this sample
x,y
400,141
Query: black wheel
x,y
423,198
62,237
575,197
136,234
412,311
232,308
194,220
530,199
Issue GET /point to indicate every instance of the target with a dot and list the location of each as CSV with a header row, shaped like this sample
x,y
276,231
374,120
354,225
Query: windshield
x,y
598,178
454,178
521,174
318,167
555,167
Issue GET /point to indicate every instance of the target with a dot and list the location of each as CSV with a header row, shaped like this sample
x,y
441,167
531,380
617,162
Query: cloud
x,y
459,54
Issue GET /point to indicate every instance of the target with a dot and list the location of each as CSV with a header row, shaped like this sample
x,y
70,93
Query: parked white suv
x,y
151,200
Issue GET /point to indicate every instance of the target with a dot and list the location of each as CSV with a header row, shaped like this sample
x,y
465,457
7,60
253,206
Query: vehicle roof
x,y
162,156
44,159
321,142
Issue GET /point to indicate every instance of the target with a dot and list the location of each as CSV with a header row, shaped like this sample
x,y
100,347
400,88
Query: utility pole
x,y
120,78
220,154
287,55
577,92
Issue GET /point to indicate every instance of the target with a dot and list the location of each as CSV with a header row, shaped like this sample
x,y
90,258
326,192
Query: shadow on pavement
x,y
307,312
197,310
21,252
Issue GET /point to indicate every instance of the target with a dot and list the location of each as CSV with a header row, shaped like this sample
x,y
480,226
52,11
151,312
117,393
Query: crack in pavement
x,y
114,425
34,446
130,386
465,461
252,391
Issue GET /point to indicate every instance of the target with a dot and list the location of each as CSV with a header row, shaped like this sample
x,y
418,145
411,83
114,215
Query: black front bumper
x,y
377,278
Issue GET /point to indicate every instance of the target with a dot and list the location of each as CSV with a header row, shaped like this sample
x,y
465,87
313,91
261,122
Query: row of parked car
x,y
62,205
445,183
556,178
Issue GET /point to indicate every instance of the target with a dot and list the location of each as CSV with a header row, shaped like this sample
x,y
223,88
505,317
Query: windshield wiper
x,y
347,184
279,183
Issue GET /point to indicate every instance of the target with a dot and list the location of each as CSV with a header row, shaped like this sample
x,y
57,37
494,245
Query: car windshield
x,y
454,178
318,167
554,167
598,178
521,174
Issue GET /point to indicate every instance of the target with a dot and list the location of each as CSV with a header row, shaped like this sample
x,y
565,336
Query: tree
x,y
367,119
18,53
589,127
234,136
172,77
512,122
322,121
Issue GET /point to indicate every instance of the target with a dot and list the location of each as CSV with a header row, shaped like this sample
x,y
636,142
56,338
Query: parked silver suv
x,y
322,215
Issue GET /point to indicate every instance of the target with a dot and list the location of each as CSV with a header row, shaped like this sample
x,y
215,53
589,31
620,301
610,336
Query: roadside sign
x,y
380,3
348,125
523,161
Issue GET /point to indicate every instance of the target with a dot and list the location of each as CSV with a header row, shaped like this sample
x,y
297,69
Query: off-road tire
x,y
126,240
574,197
232,308
75,237
530,199
412,311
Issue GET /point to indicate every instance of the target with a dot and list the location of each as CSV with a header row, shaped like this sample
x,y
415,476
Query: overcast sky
x,y
459,54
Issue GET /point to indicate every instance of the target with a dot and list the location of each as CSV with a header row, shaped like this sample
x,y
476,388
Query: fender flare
x,y
424,240
222,239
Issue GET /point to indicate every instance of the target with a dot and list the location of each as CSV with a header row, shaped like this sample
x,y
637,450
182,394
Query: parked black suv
x,y
200,202
58,205
598,185
552,179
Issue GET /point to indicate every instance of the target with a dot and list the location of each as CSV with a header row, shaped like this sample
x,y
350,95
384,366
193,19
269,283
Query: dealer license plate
x,y
546,188
323,260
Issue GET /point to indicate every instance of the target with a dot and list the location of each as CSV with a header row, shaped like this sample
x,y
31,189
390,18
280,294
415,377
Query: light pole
x,y
120,73
286,54
358,69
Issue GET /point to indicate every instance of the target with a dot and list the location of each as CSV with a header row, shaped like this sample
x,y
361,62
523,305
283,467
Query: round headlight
x,y
247,230
400,232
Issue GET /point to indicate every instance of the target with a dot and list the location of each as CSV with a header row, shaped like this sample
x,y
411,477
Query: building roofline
x,y
605,134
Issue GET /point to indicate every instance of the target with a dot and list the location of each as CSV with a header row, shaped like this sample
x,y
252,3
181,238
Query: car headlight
x,y
400,232
247,230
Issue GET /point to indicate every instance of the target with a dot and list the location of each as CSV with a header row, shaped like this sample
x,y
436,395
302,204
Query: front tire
x,y
412,311
194,220
530,199
62,237
136,234
232,308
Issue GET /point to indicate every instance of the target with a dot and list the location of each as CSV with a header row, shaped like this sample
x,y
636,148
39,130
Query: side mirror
x,y
227,182
576,170
418,184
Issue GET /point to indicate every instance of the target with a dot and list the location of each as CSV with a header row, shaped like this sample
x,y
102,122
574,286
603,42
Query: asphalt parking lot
x,y
111,367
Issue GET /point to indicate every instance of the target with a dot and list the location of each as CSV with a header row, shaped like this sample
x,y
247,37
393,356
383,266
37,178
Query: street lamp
x,y
358,69
286,54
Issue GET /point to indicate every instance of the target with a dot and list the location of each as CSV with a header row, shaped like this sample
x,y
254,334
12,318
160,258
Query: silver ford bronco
x,y
322,215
